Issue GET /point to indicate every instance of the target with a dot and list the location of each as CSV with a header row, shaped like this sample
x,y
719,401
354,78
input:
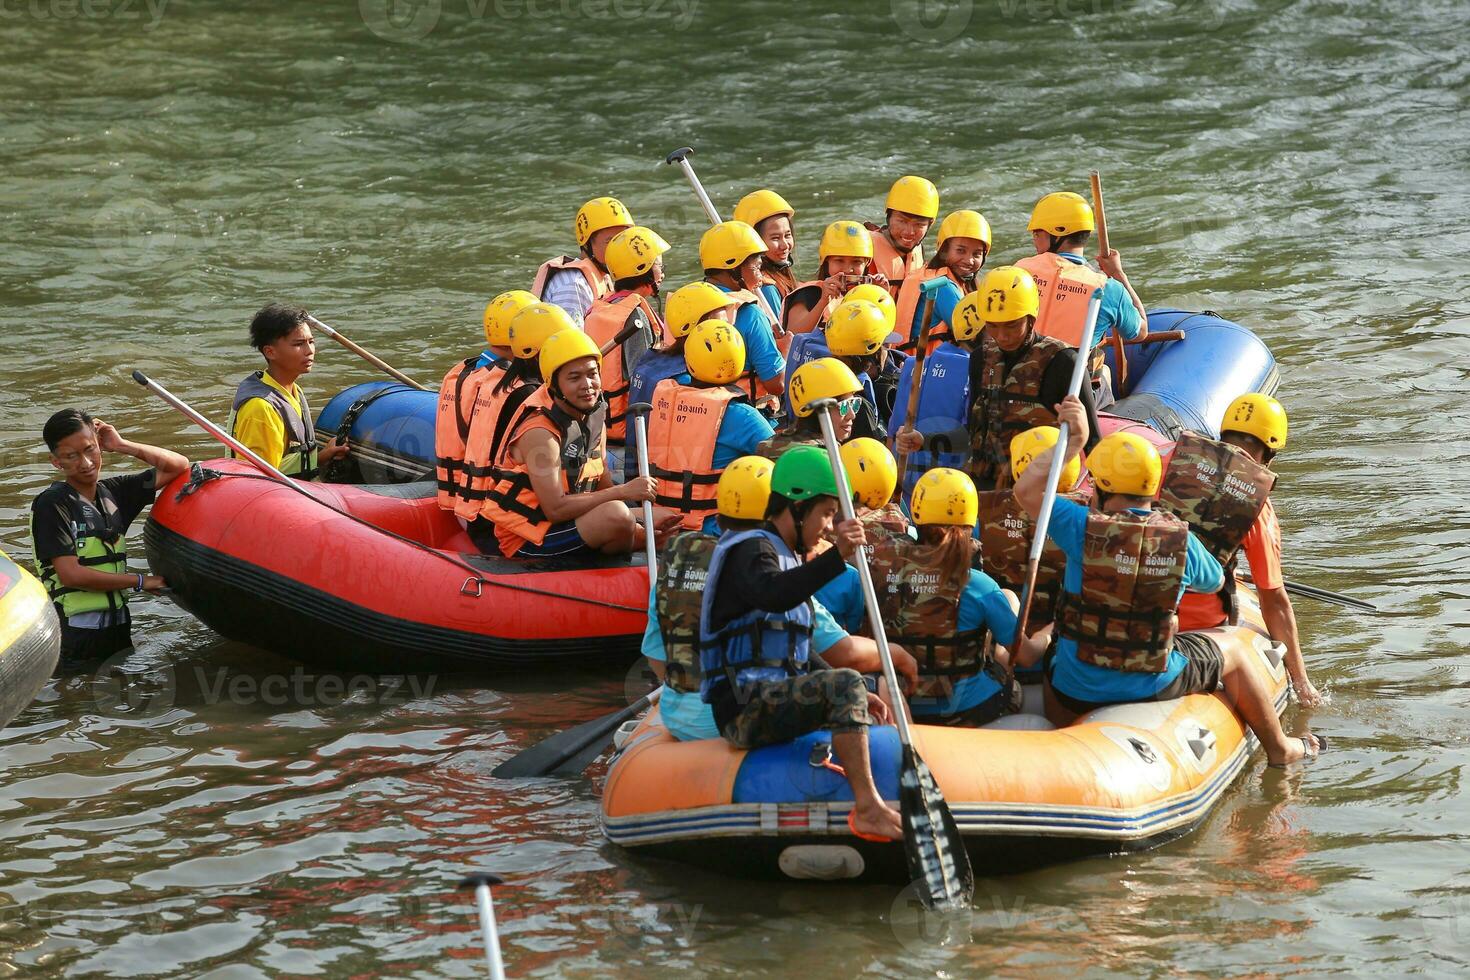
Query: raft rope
x,y
198,475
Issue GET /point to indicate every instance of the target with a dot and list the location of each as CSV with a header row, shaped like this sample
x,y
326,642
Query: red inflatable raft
x,y
397,587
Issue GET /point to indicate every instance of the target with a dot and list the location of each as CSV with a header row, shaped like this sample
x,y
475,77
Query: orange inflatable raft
x,y
1122,778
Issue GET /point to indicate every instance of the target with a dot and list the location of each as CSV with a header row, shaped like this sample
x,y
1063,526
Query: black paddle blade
x,y
936,853
550,753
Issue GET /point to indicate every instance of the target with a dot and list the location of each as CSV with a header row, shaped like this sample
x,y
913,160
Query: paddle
x,y
555,754
1102,244
681,157
365,354
1321,595
640,432
1058,458
481,881
937,859
916,376
1157,337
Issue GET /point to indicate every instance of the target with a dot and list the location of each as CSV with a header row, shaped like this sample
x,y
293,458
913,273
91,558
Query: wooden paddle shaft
x,y
365,354
1120,360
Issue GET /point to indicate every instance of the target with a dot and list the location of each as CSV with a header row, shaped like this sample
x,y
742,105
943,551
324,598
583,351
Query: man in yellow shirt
x,y
270,415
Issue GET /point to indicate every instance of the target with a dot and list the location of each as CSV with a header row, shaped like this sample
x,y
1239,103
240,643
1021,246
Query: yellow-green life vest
x,y
105,552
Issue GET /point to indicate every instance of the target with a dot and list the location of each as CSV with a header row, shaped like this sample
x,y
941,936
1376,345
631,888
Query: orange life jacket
x,y
494,408
457,394
890,262
909,295
1065,288
512,503
600,282
604,322
682,429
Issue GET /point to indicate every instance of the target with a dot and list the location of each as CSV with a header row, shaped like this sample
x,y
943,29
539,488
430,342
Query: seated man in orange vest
x,y
898,250
554,495
625,315
1060,225
459,393
575,282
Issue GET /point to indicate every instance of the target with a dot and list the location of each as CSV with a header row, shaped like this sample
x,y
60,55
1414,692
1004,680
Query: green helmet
x,y
804,472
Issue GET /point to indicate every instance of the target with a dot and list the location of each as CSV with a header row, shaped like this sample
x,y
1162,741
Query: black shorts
x,y
82,647
1204,666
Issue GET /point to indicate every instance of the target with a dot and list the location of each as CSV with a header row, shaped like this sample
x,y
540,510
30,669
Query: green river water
x,y
170,167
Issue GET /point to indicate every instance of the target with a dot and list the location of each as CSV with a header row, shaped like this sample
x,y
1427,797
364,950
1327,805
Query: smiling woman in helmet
x,y
771,216
964,242
843,256
553,495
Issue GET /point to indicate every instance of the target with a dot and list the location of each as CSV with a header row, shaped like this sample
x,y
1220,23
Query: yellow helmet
x,y
500,311
1040,441
945,496
562,348
757,206
964,224
600,213
871,469
826,377
857,329
914,195
745,488
633,251
532,325
967,318
1007,293
715,352
728,244
1061,214
873,293
689,304
845,238
1125,463
1257,415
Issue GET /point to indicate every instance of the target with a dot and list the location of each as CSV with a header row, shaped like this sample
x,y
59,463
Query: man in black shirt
x,y
762,680
78,531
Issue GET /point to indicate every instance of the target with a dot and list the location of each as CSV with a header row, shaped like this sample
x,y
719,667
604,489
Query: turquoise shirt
x,y
761,354
1117,311
687,716
981,604
741,430
1104,685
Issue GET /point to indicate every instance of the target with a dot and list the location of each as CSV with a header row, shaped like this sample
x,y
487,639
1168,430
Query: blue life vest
x,y
758,645
654,366
809,347
944,409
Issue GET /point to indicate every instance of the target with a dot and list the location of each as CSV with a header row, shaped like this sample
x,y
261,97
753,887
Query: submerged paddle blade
x,y
936,853
549,754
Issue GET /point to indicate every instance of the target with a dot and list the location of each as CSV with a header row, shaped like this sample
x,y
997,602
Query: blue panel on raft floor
x,y
784,773
1199,376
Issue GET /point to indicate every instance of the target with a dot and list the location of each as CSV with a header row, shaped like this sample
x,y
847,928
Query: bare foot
x,y
878,820
1306,747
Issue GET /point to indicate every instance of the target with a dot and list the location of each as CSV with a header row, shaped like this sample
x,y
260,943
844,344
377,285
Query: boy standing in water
x,y
78,526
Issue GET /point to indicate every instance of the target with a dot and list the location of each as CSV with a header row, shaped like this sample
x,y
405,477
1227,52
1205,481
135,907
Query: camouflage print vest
x,y
1217,490
921,613
783,440
1005,551
1005,404
683,567
1132,568
887,521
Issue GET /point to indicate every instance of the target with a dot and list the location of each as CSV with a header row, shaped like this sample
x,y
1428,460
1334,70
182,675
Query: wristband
x,y
139,586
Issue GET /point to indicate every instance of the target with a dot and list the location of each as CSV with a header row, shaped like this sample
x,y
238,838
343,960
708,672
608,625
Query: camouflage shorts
x,y
779,711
